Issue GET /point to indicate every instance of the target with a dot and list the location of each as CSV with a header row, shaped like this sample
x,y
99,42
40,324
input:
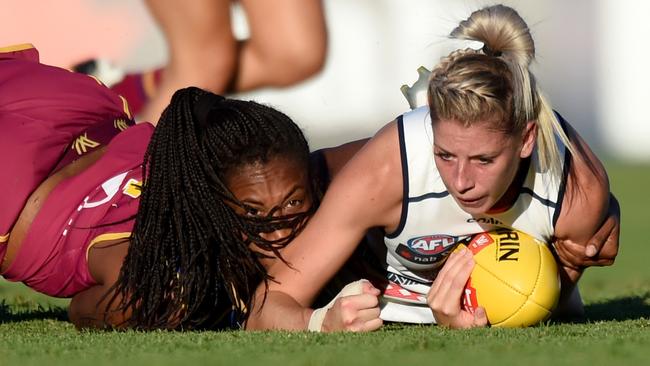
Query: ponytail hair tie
x,y
490,52
204,105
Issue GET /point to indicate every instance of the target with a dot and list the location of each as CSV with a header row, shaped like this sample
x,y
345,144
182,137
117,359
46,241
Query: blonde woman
x,y
487,152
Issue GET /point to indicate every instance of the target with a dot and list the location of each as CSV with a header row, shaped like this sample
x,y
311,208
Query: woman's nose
x,y
463,181
275,235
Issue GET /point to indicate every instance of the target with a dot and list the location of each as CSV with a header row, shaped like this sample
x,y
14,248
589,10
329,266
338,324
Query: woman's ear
x,y
529,139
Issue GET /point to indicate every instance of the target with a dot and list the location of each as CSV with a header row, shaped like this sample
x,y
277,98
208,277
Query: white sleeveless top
x,y
432,223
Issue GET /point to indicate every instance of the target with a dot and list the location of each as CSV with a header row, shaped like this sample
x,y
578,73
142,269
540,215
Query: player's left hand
x,y
444,297
600,250
357,310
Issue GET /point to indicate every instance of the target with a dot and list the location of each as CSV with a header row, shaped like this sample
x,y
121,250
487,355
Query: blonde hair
x,y
495,84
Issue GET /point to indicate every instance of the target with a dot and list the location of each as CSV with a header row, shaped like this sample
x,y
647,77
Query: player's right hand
x,y
356,313
444,297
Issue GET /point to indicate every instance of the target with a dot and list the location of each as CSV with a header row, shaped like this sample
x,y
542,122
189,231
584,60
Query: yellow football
x,y
515,278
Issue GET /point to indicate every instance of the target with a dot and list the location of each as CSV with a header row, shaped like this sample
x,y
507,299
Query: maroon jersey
x,y
47,119
96,205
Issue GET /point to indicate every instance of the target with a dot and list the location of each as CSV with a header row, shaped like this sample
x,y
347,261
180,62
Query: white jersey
x,y
432,224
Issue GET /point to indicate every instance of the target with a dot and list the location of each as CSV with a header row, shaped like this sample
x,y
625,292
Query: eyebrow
x,y
253,202
491,154
292,191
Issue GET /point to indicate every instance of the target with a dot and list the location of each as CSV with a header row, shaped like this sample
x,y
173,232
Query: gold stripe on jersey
x,y
83,143
106,237
242,304
4,238
96,79
125,106
16,47
120,124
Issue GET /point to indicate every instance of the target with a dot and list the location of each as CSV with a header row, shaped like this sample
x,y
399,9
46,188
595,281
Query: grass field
x,y
33,329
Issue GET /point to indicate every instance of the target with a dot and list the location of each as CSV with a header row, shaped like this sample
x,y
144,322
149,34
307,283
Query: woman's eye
x,y
252,211
444,156
294,203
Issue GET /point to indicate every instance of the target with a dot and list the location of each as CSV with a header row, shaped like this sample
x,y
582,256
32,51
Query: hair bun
x,y
503,33
490,52
204,105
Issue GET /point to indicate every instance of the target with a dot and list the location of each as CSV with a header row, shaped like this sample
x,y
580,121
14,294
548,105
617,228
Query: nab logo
x,y
428,249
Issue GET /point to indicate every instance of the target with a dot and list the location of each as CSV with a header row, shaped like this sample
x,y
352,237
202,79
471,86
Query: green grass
x,y
33,329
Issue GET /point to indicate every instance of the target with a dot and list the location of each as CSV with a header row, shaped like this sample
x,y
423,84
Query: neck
x,y
510,196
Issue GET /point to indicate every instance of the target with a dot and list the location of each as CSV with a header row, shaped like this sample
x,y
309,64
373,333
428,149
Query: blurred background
x,y
591,61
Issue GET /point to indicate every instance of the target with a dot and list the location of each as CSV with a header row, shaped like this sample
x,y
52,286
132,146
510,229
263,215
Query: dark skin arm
x,y
337,157
91,308
601,249
588,209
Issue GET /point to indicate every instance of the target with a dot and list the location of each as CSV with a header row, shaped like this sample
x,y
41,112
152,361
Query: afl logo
x,y
428,250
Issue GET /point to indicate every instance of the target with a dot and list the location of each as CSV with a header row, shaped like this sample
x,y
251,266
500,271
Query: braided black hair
x,y
189,262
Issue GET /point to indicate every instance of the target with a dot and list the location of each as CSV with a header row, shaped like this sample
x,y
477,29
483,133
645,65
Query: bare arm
x,y
337,157
366,193
584,209
92,308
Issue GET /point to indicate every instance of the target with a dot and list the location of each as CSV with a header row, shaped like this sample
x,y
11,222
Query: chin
x,y
480,209
474,210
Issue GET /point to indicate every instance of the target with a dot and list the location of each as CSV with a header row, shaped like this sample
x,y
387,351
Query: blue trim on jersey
x,y
429,195
541,199
405,180
565,173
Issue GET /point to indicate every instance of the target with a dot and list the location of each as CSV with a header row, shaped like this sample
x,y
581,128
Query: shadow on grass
x,y
618,309
623,308
11,314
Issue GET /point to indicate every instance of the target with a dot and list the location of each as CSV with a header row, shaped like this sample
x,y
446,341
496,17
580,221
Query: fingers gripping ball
x,y
515,278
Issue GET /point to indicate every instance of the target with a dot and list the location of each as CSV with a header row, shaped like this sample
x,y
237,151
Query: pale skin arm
x,y
366,193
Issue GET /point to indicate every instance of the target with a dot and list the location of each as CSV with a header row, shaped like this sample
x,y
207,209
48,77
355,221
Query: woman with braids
x,y
176,242
487,152
226,182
